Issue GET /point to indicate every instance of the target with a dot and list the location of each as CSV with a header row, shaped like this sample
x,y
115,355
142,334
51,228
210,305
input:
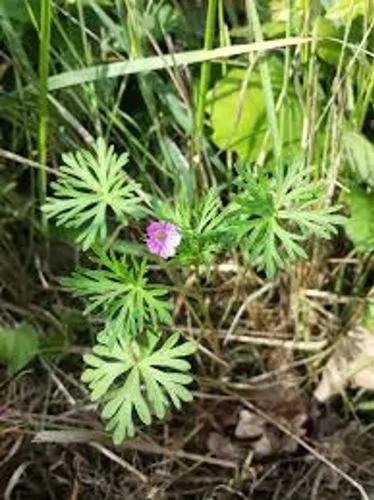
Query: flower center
x,y
161,235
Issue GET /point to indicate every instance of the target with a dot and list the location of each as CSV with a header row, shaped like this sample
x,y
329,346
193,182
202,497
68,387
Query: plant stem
x,y
205,67
44,46
223,32
202,174
135,26
266,80
91,91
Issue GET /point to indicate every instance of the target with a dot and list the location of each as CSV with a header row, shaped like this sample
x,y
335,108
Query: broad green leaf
x,y
360,155
18,346
53,344
238,113
360,226
328,50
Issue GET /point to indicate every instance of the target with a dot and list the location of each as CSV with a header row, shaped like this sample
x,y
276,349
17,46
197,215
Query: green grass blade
x,y
266,80
113,70
205,68
44,49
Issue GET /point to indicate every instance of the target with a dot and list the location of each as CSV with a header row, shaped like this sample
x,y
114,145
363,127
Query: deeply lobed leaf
x,y
92,184
131,381
273,215
123,295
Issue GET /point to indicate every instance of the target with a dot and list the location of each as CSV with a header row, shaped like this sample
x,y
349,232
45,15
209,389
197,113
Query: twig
x,y
69,118
8,155
312,346
222,332
144,447
58,383
118,460
14,449
211,355
306,446
330,298
251,298
86,435
15,477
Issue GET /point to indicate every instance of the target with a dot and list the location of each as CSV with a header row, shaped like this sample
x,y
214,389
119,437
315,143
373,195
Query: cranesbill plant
x,y
133,371
275,213
136,371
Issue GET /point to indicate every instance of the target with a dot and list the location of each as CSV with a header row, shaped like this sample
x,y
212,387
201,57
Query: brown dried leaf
x,y
249,426
221,446
265,439
281,398
352,363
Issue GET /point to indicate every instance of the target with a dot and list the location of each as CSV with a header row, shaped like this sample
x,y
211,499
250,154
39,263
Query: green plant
x,y
202,222
360,225
138,378
359,153
190,248
44,50
121,292
275,213
237,109
90,184
126,372
18,346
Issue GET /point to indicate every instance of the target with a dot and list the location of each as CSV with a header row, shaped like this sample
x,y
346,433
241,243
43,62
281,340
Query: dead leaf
x,y
266,440
249,426
265,446
221,446
281,398
352,363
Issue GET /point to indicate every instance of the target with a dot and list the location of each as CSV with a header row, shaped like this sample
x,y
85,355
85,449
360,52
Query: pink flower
x,y
163,238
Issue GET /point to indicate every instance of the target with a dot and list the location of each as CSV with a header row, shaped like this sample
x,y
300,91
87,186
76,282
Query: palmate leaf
x,y
91,184
124,296
273,215
133,382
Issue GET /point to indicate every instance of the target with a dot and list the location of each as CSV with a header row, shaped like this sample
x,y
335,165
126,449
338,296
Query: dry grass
x,y
262,353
